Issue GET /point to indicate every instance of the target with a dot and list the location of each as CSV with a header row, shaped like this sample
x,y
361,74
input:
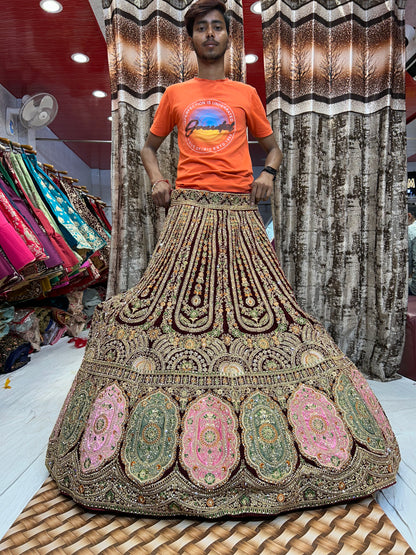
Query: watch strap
x,y
270,170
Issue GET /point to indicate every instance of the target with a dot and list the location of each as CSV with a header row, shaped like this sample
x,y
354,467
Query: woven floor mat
x,y
52,523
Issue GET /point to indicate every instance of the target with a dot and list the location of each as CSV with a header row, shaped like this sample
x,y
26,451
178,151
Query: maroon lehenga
x,y
206,391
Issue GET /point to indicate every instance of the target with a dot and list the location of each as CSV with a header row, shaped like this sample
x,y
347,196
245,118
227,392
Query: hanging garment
x,y
23,229
16,164
13,245
80,206
98,209
27,189
20,205
79,202
77,233
8,177
206,391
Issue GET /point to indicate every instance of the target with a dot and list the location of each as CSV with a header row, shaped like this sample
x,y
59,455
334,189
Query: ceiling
x,y
39,47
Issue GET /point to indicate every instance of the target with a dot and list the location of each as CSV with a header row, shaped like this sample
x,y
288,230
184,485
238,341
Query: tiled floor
x,y
29,409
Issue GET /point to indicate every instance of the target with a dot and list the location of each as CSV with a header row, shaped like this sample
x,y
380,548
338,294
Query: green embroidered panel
x,y
359,419
266,438
151,438
75,417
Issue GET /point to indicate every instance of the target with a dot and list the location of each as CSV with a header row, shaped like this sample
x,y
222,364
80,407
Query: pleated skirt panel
x,y
207,391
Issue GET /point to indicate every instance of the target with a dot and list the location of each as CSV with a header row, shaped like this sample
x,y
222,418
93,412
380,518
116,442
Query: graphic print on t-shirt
x,y
209,125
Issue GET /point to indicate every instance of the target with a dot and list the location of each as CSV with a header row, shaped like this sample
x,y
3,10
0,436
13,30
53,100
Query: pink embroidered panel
x,y
104,428
319,431
210,444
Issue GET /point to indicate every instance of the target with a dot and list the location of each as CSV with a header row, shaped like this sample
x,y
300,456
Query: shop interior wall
x,y
98,182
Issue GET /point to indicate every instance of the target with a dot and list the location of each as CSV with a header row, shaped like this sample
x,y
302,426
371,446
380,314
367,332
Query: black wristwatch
x,y
270,170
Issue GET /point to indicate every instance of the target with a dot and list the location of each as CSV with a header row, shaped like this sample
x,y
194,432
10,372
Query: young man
x,y
212,115
205,389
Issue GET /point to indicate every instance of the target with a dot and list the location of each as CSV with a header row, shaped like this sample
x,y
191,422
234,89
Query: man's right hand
x,y
161,194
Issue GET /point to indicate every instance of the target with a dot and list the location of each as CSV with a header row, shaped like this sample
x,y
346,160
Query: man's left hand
x,y
262,188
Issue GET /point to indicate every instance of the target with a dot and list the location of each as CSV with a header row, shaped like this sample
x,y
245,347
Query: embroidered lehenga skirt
x,y
206,391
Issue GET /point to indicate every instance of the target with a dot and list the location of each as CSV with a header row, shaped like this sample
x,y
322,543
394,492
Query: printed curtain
x,y
148,50
335,96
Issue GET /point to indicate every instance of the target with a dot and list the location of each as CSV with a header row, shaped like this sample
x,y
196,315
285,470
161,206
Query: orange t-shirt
x,y
212,119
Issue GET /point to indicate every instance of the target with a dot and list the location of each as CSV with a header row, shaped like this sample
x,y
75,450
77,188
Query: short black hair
x,y
202,7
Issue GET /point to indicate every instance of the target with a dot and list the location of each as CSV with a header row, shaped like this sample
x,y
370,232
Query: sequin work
x,y
210,445
268,445
103,430
361,422
151,438
319,431
206,391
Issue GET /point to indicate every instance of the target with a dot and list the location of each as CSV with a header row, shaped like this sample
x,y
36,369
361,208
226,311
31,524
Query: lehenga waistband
x,y
212,200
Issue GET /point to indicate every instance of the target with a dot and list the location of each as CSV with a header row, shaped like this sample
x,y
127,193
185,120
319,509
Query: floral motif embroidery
x,y
144,364
103,429
372,403
319,431
178,341
76,414
151,438
311,357
231,369
209,444
57,427
266,438
360,420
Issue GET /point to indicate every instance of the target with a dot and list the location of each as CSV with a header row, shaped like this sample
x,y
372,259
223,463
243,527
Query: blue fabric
x,y
17,358
76,231
6,316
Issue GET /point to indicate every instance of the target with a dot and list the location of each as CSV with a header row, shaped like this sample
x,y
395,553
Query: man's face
x,y
210,38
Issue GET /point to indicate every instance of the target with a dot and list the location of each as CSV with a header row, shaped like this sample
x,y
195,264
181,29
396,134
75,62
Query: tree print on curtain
x,y
148,50
335,97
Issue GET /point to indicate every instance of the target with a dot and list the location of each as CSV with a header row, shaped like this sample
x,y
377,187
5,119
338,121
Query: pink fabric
x,y
319,431
13,245
104,428
58,242
21,227
210,445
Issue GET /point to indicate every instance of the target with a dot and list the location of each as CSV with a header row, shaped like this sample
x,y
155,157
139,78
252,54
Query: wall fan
x,y
38,110
410,50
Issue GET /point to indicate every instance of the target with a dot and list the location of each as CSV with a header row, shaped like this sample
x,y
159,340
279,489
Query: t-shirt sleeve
x,y
163,122
257,121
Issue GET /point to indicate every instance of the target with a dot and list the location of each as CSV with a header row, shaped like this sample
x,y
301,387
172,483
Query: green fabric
x,y
30,188
9,180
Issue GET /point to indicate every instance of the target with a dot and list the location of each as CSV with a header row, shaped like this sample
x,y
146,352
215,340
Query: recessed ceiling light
x,y
80,58
110,118
99,94
251,58
256,8
51,6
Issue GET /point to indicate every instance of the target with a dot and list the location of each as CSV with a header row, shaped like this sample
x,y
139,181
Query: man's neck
x,y
212,71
